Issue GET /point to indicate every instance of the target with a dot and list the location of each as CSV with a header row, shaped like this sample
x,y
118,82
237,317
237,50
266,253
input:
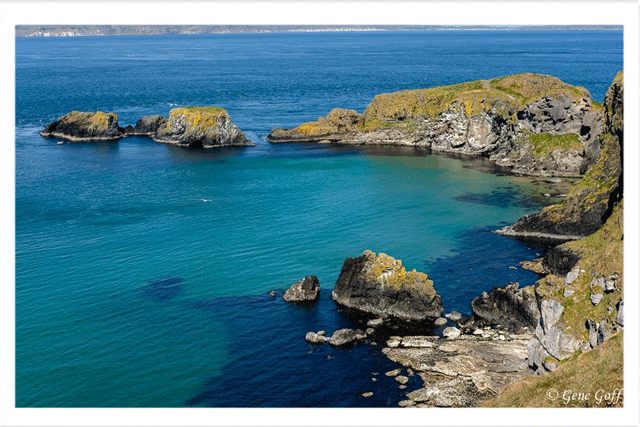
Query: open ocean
x,y
98,223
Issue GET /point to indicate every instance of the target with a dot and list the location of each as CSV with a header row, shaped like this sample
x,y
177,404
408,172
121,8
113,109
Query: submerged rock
x,y
200,127
164,289
83,126
304,290
380,285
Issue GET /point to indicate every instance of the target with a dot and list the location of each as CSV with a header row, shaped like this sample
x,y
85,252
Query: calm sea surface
x,y
99,224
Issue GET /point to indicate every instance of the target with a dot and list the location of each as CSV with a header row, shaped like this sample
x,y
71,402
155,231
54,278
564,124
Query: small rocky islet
x,y
193,127
536,125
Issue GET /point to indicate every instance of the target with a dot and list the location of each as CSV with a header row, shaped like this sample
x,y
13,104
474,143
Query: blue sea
x,y
143,270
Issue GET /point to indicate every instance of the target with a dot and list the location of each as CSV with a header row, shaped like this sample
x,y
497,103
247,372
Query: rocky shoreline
x,y
576,306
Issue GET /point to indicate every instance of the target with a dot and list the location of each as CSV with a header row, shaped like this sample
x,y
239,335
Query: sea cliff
x,y
533,124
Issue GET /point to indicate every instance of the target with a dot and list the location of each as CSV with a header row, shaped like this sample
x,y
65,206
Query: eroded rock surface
x,y
533,124
509,306
380,285
462,371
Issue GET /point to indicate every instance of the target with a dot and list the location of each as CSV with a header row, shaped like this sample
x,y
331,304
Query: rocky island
x,y
380,285
534,124
194,127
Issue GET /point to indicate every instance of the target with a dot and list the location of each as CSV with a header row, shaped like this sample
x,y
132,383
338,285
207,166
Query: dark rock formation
x,y
590,202
200,127
508,306
82,126
304,290
380,285
147,126
534,124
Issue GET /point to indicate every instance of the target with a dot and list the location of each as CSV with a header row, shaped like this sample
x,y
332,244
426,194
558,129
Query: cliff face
x,y
380,285
590,202
535,124
200,127
83,126
580,300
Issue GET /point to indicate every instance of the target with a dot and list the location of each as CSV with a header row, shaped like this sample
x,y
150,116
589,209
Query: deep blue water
x,y
142,270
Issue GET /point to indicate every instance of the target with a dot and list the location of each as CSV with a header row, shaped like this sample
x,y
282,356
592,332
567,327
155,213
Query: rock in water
x,y
306,289
82,126
147,125
380,285
200,127
346,336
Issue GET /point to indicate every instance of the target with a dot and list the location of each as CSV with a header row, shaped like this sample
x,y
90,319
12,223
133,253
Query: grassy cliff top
x,y
198,110
98,120
599,370
503,95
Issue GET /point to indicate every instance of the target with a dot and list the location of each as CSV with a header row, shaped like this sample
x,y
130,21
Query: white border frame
x,y
308,13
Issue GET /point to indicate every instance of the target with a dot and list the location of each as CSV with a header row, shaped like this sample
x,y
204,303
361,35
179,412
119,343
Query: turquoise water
x,y
97,222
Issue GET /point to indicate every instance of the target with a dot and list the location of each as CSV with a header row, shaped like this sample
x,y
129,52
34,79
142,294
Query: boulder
x,y
380,285
307,289
510,306
620,316
84,126
451,332
346,336
200,127
454,316
440,321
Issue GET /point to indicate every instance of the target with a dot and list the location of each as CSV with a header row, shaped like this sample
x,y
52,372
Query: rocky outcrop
x,y
346,336
460,371
196,127
380,285
533,124
200,127
147,126
307,289
83,126
511,307
590,202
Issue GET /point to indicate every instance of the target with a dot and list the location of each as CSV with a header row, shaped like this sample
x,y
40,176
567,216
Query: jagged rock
x,y
147,125
345,336
620,316
590,202
572,275
367,394
535,265
200,127
440,321
603,332
451,332
509,306
380,285
559,260
483,118
454,316
592,327
550,331
568,292
83,126
307,289
467,322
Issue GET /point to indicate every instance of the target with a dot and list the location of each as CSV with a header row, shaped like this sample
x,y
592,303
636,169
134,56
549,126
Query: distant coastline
x,y
144,30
